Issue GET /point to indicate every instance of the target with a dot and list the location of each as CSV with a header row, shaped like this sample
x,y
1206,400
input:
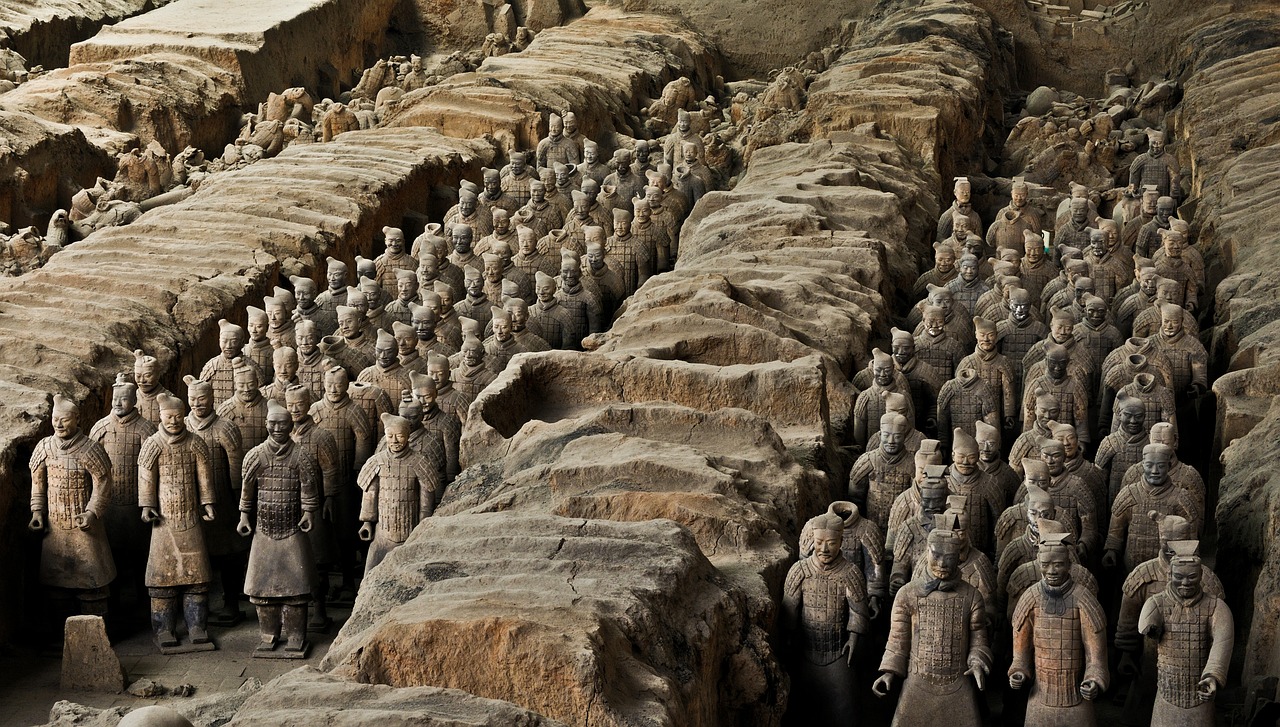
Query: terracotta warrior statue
x,y
258,348
1059,643
963,205
824,606
219,371
942,272
121,434
879,476
227,550
320,445
70,489
869,406
401,487
146,374
1137,655
937,641
1015,220
176,490
1133,538
1155,167
247,409
863,546
282,490
922,378
1003,477
1194,635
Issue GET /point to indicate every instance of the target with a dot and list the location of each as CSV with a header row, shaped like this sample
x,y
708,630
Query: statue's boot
x,y
294,621
269,623
195,609
163,619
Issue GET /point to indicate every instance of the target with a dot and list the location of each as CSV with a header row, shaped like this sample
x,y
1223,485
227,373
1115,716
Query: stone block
x,y
89,664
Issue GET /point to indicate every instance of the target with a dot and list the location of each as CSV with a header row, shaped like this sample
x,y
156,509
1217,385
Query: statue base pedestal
x,y
279,652
186,648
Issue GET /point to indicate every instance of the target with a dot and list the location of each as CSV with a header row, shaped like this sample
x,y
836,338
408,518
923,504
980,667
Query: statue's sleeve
x,y
329,460
979,639
310,477
1024,624
204,471
860,481
1120,517
873,560
249,479
1128,637
1135,171
364,437
98,465
39,477
792,598
369,480
1222,626
148,474
229,438
897,650
855,594
1093,631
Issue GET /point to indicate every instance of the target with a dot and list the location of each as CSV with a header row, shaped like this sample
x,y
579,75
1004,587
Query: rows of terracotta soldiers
x,y
1018,500
328,425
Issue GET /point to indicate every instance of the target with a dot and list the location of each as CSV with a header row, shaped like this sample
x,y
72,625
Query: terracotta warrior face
x,y
1170,325
944,260
1055,566
279,426
1041,480
66,424
1186,579
397,438
968,270
892,439
335,387
882,372
501,329
440,374
1155,470
935,323
570,274
395,242
519,313
903,350
943,565
986,339
472,355
475,286
201,402
1018,197
246,389
518,164
123,400
826,546
1133,419
1056,367
257,328
1040,510
337,280
172,422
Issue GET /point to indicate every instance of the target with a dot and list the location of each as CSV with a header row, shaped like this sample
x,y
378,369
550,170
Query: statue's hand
x,y
848,648
1017,679
1008,423
1154,631
978,671
882,686
366,532
37,522
85,520
209,514
150,515
243,527
328,512
1110,559
1207,689
873,603
1090,690
308,519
